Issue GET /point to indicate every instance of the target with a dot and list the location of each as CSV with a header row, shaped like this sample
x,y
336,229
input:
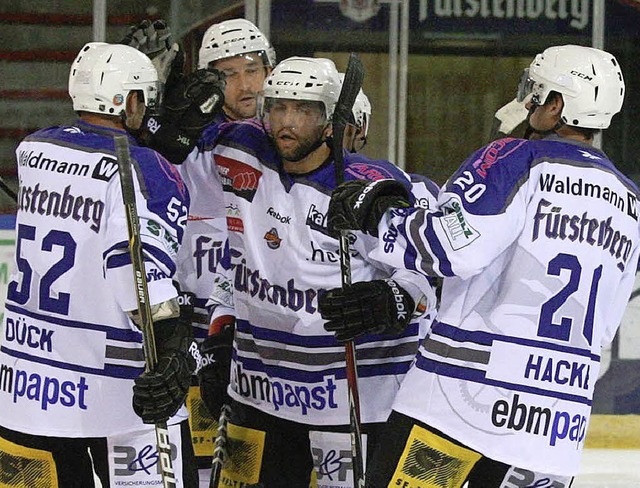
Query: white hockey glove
x,y
508,117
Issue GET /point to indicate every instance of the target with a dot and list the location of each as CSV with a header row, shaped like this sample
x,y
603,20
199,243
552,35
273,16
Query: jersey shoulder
x,y
360,167
241,132
159,175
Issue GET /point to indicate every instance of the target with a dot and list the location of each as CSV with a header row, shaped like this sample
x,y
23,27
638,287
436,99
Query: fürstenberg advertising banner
x,y
506,17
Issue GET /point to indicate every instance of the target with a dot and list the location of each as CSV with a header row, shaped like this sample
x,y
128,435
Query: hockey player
x,y
239,50
538,243
74,394
244,55
289,408
355,135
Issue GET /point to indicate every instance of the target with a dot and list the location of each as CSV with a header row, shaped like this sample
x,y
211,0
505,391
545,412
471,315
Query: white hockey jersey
x,y
538,244
282,258
202,255
68,352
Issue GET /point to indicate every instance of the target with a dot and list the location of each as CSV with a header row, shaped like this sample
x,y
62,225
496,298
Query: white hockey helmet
x,y
298,78
233,38
102,75
361,109
590,81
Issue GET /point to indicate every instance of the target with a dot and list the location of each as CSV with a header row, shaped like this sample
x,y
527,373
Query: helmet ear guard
x,y
589,80
103,75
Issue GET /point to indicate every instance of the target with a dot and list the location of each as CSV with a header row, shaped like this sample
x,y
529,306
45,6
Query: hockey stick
x,y
142,297
8,191
219,448
350,87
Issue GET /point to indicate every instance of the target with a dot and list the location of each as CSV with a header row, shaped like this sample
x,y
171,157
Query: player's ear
x,y
134,110
328,131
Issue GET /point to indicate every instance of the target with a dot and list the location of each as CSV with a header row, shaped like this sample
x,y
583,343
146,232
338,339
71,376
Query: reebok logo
x,y
402,313
285,219
363,195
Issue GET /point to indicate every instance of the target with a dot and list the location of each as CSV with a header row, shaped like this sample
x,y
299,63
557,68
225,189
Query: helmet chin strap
x,y
315,146
543,133
134,132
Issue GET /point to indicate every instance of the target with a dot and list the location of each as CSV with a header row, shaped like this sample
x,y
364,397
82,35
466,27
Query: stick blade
x,y
351,85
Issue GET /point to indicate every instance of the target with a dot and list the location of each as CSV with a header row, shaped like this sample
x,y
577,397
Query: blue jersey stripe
x,y
487,338
113,333
110,370
286,373
327,340
478,376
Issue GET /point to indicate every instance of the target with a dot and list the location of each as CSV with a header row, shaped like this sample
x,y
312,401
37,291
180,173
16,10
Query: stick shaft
x,y
8,190
220,448
350,88
142,297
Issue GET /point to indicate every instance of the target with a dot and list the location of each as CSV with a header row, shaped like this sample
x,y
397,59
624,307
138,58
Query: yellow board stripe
x,y
613,432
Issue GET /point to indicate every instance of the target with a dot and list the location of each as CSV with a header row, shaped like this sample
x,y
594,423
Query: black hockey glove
x,y
159,394
190,105
216,364
371,307
154,40
360,204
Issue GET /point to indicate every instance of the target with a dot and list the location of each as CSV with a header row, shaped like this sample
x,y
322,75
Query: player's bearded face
x,y
244,76
296,126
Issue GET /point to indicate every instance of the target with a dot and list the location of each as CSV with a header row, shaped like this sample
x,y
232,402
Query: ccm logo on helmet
x,y
582,75
285,83
401,309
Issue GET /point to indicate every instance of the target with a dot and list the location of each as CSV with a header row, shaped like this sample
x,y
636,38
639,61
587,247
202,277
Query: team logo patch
x,y
234,224
105,169
272,238
456,228
237,177
234,220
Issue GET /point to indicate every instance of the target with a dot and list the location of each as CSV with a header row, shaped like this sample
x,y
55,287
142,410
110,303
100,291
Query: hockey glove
x,y
508,117
154,40
190,105
159,394
360,204
216,364
372,307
